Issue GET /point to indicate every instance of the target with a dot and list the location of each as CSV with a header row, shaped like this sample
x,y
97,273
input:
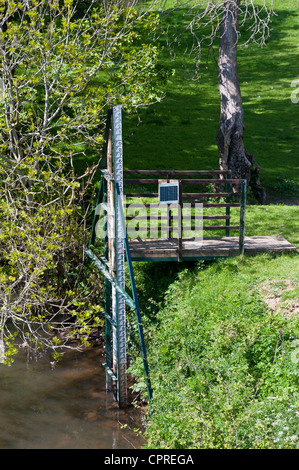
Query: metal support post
x,y
112,265
119,314
242,217
108,292
180,229
228,189
109,247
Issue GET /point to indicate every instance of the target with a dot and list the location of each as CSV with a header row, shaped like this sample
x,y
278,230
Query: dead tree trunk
x,y
232,152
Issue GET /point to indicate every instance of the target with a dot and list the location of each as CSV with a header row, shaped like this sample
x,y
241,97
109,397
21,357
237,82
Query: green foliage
x,y
63,65
61,82
273,220
45,288
221,361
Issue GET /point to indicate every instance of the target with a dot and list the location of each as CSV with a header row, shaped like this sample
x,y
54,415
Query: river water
x,y
63,408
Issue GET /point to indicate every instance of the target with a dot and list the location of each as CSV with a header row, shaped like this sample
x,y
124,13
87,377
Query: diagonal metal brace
x,y
110,278
109,372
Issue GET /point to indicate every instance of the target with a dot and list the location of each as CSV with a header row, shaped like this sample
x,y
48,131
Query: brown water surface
x,y
62,408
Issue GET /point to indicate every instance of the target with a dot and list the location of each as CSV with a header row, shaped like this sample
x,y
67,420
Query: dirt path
x,y
281,295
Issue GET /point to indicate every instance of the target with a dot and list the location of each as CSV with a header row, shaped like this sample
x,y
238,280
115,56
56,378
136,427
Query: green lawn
x,y
276,220
180,132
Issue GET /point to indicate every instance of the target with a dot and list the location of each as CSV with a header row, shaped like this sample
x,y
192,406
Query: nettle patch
x,y
281,295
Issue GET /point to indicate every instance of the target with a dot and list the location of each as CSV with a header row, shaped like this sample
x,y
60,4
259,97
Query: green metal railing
x,y
111,281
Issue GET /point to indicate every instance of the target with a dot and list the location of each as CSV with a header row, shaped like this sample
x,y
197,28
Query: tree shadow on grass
x,y
180,132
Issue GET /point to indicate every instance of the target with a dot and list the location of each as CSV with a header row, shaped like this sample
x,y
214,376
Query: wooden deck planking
x,y
159,249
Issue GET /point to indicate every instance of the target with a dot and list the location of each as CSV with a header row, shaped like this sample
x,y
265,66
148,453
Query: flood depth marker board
x,y
119,314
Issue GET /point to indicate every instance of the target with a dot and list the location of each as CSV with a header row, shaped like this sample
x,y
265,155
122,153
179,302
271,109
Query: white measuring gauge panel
x,y
169,193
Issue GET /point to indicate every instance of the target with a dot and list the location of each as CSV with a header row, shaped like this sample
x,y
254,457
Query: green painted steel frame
x,y
135,299
110,281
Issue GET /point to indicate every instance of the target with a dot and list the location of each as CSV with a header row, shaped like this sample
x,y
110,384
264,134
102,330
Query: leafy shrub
x,y
220,362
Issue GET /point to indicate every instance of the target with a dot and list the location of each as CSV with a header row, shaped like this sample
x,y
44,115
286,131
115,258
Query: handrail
x,y
191,177
176,172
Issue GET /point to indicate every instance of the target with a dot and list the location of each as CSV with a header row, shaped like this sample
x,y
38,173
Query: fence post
x,y
242,216
180,241
228,188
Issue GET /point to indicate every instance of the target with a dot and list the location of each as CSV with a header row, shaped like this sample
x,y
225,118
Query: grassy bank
x,y
223,358
222,341
272,219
